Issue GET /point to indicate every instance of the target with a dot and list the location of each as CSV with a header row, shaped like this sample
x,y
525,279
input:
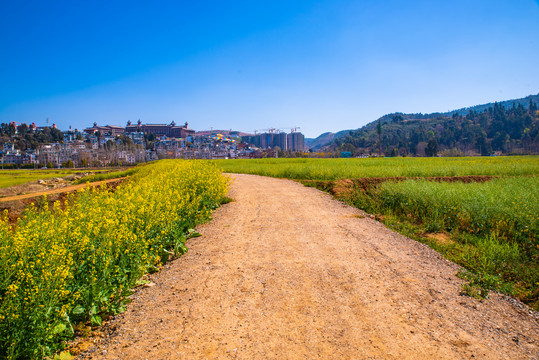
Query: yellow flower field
x,y
77,260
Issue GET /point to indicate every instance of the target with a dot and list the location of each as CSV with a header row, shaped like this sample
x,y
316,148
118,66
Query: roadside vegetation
x,y
107,175
72,264
480,212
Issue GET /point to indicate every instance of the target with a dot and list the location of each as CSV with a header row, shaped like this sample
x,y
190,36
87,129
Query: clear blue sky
x,y
246,65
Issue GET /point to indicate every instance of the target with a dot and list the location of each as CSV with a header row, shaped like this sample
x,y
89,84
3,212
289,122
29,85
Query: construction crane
x,y
270,130
275,130
292,129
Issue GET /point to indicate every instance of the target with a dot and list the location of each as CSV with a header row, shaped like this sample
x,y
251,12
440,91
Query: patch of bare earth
x,y
286,272
440,238
15,204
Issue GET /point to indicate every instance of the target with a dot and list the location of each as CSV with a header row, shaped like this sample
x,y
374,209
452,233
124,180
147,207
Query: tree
x,y
10,129
56,135
432,147
482,145
348,147
397,118
109,145
126,140
149,137
379,131
22,129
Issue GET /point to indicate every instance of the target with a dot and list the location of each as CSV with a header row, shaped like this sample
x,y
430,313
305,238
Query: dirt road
x,y
286,272
60,190
16,204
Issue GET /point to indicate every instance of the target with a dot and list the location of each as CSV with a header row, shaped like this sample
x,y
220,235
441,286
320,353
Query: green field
x,y
16,177
107,175
332,169
491,228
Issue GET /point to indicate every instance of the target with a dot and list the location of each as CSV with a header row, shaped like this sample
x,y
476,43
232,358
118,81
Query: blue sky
x,y
249,65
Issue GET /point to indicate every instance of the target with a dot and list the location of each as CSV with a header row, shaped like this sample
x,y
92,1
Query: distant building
x,y
8,147
171,130
111,130
294,141
41,128
280,140
16,158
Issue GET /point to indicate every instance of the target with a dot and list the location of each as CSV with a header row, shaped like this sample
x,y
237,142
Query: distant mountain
x,y
507,127
324,139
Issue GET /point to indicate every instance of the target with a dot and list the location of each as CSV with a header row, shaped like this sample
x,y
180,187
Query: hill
x,y
508,127
506,104
324,139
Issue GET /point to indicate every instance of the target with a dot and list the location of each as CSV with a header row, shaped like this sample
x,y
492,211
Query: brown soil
x,y
287,272
440,238
27,188
17,203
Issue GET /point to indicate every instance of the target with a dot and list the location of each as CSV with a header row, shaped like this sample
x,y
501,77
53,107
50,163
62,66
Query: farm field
x,y
15,177
333,169
77,260
480,212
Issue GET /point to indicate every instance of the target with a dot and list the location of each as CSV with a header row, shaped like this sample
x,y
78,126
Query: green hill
x,y
324,139
508,127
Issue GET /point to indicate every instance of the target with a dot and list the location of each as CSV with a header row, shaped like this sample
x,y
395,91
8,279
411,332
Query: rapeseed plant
x,y
79,259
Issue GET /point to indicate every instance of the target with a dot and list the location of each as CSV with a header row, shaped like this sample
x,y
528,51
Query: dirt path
x,y
60,190
286,272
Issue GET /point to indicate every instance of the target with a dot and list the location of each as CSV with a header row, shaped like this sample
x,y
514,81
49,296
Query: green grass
x,y
506,206
16,177
107,175
332,169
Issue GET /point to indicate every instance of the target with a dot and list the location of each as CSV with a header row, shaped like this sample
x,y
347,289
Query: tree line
x,y
496,129
24,137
